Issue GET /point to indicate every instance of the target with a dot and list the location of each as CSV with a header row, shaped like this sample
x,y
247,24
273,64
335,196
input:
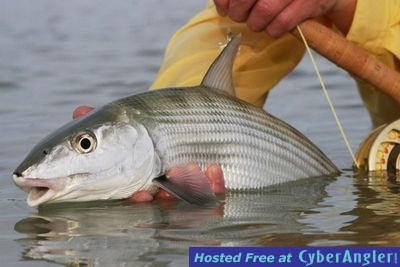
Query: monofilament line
x,y
328,98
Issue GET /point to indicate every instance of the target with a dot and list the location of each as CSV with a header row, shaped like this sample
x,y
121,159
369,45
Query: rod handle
x,y
350,57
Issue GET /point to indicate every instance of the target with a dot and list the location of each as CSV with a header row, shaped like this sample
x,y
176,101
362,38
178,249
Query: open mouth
x,y
39,195
39,190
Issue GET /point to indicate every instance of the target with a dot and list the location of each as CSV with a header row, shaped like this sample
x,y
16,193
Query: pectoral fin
x,y
188,184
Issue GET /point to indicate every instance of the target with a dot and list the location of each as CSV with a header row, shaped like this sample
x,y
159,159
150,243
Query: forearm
x,y
260,64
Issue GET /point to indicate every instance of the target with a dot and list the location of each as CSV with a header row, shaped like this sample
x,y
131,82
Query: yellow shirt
x,y
262,61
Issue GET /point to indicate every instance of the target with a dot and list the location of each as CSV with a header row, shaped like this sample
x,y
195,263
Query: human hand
x,y
277,17
213,173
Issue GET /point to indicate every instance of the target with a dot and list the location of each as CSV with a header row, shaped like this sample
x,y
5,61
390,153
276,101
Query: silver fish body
x,y
129,144
205,126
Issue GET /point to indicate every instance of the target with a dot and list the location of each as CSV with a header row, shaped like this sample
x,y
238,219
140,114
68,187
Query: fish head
x,y
102,155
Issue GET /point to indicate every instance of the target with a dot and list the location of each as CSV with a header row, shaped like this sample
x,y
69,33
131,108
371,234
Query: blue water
x,y
56,55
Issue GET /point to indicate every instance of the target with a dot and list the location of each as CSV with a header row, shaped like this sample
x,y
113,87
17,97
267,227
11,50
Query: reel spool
x,y
379,152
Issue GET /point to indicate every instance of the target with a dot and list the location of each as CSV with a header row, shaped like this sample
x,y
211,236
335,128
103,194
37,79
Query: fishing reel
x,y
379,152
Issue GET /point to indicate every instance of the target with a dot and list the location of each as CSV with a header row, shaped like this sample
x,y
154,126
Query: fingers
x,y
239,10
275,17
80,111
145,196
142,196
264,12
222,7
294,14
216,178
214,175
287,20
258,14
164,195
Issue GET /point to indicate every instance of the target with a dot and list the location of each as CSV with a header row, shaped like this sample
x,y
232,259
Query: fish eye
x,y
85,142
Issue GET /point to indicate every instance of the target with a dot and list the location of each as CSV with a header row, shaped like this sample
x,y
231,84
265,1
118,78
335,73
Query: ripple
x,y
355,106
121,89
8,85
86,90
97,64
66,102
6,111
42,49
149,52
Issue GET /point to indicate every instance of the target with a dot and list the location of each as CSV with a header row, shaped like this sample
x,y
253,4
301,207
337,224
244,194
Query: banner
x,y
293,256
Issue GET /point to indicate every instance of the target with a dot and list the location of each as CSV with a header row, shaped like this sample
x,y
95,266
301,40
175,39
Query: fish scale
x,y
128,145
206,126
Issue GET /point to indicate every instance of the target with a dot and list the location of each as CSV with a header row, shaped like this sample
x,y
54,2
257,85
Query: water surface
x,y
56,55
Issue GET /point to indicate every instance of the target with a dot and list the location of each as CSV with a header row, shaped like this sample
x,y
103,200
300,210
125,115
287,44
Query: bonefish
x,y
127,145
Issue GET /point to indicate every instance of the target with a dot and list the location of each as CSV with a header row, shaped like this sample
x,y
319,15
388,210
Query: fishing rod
x,y
350,57
380,150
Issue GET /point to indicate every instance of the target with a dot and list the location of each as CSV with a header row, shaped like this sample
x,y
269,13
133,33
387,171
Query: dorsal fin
x,y
219,75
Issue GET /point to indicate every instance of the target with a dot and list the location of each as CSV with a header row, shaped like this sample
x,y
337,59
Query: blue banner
x,y
293,256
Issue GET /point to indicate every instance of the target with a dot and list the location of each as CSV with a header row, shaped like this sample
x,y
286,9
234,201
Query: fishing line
x,y
328,98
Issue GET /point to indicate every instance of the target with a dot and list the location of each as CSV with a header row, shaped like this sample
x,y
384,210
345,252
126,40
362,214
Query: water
x,y
56,55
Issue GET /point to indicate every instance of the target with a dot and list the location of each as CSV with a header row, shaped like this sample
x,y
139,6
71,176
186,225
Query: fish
x,y
129,145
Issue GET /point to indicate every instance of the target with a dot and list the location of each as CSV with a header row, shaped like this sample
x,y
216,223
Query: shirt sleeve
x,y
260,64
376,27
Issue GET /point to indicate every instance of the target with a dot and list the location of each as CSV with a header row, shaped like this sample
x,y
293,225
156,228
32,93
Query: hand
x,y
277,17
214,173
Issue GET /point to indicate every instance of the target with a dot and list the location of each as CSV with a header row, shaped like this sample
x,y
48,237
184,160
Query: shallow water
x,y
56,55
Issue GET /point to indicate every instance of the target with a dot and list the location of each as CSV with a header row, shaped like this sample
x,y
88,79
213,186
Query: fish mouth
x,y
39,190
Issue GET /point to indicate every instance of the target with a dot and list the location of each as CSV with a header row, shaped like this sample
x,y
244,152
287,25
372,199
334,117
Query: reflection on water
x,y
56,55
309,212
109,232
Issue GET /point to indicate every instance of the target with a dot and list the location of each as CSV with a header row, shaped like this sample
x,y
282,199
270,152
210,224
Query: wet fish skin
x,y
205,126
131,142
